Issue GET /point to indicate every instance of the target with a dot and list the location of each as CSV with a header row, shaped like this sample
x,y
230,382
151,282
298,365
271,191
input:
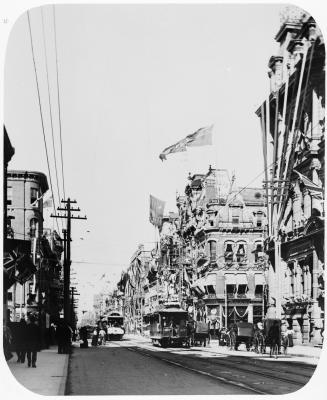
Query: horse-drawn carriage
x,y
238,333
198,332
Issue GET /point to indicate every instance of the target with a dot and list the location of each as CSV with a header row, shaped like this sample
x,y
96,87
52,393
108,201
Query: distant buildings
x,y
209,257
293,120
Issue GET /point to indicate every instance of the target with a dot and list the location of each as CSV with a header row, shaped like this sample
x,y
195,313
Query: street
x,y
135,367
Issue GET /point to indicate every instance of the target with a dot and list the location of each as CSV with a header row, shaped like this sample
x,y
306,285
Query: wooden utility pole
x,y
67,252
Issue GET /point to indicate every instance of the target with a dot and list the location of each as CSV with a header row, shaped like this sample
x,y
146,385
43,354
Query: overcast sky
x,y
134,80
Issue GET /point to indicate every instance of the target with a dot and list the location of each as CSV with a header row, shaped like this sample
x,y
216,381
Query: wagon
x,y
244,334
200,333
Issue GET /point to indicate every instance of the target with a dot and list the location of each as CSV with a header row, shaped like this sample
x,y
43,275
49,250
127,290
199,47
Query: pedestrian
x,y
83,337
95,337
290,333
7,340
21,340
32,340
63,337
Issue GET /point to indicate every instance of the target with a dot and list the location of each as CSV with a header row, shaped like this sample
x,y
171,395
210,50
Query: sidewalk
x,y
49,376
297,353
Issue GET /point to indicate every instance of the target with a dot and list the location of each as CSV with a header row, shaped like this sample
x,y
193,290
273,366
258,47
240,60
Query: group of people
x,y
24,338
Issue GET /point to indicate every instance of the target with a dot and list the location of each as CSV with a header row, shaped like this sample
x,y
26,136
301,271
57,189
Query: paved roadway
x,y
134,367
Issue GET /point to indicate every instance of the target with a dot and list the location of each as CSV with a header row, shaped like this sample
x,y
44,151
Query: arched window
x,y
229,252
258,251
241,252
213,250
34,227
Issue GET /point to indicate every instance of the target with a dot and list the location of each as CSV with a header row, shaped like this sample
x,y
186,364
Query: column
x,y
315,314
306,204
297,203
305,280
221,324
250,313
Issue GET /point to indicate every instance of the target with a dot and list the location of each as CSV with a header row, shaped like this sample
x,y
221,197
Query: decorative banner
x,y
156,210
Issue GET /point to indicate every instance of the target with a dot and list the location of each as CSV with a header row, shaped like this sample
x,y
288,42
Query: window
x,y
9,195
259,219
235,216
213,250
33,195
210,289
241,253
229,252
34,225
9,296
258,252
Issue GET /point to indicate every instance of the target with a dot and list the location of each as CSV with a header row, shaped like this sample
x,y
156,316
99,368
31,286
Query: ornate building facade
x,y
293,118
209,257
223,228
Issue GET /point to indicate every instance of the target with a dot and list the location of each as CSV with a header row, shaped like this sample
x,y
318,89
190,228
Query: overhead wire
x,y
50,107
58,99
41,114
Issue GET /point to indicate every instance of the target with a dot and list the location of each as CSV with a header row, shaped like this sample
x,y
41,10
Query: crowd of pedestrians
x,y
24,338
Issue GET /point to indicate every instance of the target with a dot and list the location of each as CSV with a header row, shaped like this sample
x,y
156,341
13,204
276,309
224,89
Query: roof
x,y
252,195
40,177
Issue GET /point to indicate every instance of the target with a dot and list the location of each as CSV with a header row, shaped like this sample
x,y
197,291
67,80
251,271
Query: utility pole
x,y
67,252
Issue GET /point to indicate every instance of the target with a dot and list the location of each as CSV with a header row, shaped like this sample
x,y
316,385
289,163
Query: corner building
x,y
223,226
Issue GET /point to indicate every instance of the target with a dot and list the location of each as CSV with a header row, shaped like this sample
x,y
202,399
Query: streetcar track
x,y
226,381
227,364
233,363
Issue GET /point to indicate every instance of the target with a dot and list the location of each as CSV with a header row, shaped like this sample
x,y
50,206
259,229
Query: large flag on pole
x,y
202,137
156,211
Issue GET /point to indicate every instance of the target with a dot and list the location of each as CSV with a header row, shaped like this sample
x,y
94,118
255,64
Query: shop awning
x,y
241,279
259,279
230,279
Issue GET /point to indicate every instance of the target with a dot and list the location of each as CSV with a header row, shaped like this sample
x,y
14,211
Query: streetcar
x,y
168,326
115,326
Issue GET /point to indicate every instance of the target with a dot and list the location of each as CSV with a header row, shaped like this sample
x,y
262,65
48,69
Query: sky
x,y
133,80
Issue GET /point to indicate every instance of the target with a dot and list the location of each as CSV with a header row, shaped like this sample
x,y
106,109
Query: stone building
x,y
209,257
222,230
293,127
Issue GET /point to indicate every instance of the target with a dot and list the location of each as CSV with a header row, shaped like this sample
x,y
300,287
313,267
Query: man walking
x,y
32,341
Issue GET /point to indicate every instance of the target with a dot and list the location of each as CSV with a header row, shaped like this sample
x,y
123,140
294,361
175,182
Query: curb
x,y
64,379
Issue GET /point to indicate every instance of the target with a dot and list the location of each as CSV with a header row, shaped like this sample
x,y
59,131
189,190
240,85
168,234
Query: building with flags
x,y
293,127
209,257
32,253
222,231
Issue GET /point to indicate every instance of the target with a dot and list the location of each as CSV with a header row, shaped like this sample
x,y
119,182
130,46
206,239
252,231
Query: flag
x,y
201,137
156,210
48,203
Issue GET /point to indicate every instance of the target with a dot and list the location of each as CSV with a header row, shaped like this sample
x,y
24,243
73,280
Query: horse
x,y
231,338
274,339
259,342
